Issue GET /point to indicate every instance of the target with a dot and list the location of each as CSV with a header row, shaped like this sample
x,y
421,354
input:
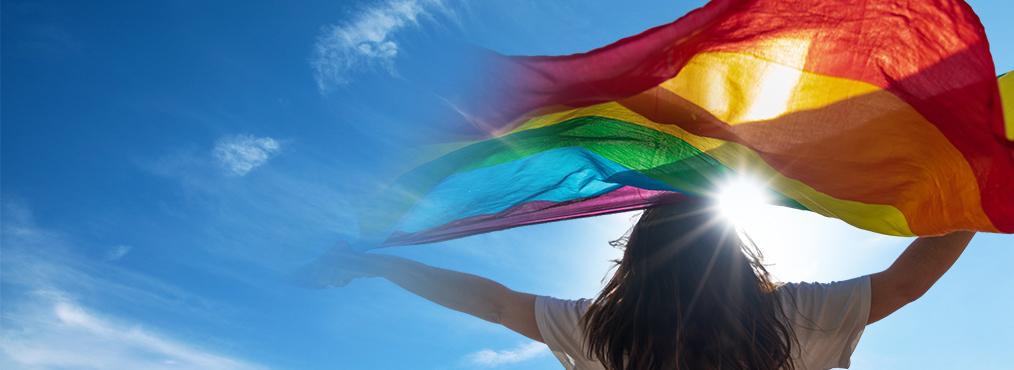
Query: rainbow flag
x,y
886,114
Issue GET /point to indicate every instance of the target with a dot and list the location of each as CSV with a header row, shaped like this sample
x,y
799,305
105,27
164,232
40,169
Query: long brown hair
x,y
689,293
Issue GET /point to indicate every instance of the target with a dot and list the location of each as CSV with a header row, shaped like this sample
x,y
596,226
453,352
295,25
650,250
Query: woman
x,y
689,293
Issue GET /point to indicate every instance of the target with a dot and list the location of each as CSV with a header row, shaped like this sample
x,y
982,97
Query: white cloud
x,y
240,154
367,39
118,252
44,327
257,216
61,334
523,352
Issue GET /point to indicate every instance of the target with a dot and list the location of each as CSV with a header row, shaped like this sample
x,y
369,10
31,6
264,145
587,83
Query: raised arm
x,y
474,295
914,272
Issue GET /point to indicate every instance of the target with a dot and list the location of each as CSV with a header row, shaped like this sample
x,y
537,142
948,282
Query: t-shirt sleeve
x,y
560,327
827,319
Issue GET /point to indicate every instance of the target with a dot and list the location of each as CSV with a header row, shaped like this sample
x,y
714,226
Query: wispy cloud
x,y
493,358
55,336
118,252
367,39
240,154
36,258
44,327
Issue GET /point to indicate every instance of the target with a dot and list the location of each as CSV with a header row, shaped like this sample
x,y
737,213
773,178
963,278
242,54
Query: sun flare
x,y
742,200
785,236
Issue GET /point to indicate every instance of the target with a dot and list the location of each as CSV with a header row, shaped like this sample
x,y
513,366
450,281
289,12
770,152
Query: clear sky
x,y
164,163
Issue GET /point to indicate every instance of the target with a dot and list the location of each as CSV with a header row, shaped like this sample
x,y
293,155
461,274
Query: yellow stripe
x,y
846,119
1007,101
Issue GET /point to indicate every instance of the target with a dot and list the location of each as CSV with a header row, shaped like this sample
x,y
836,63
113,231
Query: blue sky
x,y
164,164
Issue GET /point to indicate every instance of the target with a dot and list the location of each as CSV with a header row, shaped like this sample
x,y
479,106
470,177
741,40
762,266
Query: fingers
x,y
336,267
313,278
339,283
341,250
304,278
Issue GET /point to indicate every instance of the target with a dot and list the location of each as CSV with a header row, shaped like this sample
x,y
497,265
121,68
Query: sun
x,y
785,236
742,200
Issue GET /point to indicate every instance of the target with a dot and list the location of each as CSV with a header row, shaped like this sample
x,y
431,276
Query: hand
x,y
335,268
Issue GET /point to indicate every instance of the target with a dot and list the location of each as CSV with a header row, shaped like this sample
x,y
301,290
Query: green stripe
x,y
631,145
636,147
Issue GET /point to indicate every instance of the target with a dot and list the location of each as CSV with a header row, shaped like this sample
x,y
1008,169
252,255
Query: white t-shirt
x,y
827,319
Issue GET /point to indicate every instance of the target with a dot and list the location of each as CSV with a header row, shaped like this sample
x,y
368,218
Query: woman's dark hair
x,y
689,293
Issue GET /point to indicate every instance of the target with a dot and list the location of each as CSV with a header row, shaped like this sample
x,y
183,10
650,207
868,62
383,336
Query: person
x,y
690,292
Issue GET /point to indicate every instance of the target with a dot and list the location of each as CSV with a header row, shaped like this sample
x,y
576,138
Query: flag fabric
x,y
886,114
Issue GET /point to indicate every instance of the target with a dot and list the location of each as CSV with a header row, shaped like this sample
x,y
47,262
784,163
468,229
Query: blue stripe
x,y
556,175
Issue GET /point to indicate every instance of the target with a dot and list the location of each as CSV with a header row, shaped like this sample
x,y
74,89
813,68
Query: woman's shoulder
x,y
816,291
560,319
557,308
827,319
559,322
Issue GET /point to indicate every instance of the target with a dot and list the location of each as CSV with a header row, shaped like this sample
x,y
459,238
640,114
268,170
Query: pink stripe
x,y
620,200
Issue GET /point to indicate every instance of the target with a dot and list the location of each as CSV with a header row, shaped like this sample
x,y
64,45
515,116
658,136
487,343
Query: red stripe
x,y
519,85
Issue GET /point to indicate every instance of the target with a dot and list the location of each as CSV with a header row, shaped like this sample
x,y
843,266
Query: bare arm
x,y
474,295
914,272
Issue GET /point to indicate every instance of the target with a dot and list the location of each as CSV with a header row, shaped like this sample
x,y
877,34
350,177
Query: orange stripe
x,y
862,143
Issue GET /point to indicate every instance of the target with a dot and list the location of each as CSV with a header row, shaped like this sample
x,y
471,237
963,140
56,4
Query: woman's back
x,y
689,293
827,320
